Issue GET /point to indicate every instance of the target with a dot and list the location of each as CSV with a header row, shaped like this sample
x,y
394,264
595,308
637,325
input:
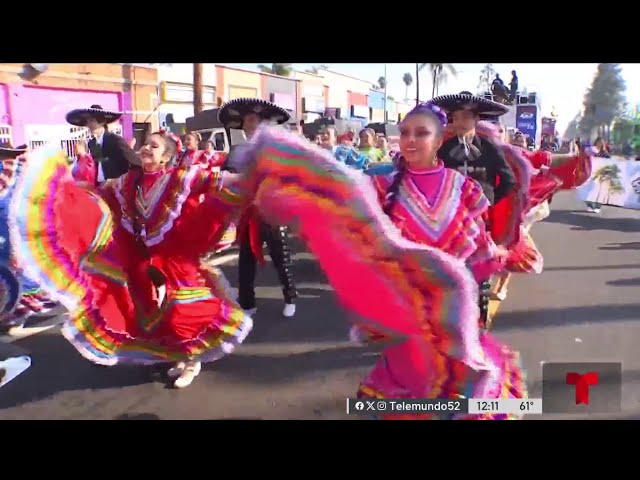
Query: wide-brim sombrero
x,y
466,101
9,290
79,116
8,151
233,112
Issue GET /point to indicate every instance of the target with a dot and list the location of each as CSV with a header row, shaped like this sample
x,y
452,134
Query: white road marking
x,y
578,340
18,333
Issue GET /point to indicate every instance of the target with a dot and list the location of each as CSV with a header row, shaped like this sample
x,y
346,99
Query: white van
x,y
207,125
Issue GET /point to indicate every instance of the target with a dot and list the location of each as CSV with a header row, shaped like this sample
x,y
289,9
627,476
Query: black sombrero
x,y
466,101
8,151
79,116
233,112
9,289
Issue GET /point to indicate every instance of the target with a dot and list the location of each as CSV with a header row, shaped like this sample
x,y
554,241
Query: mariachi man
x,y
111,154
478,158
247,114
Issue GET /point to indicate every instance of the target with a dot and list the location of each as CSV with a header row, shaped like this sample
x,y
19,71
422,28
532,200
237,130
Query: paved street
x,y
584,307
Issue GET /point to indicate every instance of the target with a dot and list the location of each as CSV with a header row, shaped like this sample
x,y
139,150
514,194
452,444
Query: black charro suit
x,y
487,169
115,155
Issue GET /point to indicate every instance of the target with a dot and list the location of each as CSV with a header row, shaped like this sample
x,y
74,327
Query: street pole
x,y
385,93
417,84
198,105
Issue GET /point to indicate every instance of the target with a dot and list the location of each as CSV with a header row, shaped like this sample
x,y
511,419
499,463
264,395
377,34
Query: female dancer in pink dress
x,y
444,209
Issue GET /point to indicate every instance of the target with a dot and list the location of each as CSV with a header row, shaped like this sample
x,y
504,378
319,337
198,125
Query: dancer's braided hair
x,y
440,120
394,188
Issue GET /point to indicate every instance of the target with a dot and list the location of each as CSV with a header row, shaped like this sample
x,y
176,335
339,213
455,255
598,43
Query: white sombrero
x,y
232,113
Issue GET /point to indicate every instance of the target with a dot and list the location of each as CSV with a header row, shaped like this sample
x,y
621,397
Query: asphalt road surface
x,y
584,307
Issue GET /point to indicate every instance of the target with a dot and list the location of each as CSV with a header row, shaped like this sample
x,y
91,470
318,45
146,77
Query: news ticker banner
x,y
569,388
444,407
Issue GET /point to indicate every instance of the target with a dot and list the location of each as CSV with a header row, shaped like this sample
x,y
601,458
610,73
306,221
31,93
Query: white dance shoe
x,y
184,373
289,310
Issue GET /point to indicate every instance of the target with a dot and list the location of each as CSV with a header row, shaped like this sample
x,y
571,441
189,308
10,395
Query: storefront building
x,y
403,109
376,106
34,103
314,103
284,92
176,93
235,83
346,96
358,107
392,111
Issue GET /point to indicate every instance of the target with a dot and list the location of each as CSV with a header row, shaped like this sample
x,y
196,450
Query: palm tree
x,y
198,103
439,75
314,69
615,188
408,80
382,83
606,176
487,74
280,69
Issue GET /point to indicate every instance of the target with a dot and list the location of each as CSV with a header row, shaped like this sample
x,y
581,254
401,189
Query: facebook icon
x,y
581,387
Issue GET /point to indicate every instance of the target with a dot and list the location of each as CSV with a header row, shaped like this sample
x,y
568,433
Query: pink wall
x,y
49,106
4,104
126,105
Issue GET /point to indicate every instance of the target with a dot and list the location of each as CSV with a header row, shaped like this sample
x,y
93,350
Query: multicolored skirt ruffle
x,y
73,253
411,370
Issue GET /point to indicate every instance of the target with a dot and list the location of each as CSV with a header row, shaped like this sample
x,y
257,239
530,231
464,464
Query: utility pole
x,y
417,84
198,104
385,93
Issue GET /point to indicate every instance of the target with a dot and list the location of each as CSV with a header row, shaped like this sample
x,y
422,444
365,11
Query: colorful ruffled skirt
x,y
66,240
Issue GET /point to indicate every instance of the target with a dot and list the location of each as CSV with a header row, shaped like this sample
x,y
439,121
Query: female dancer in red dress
x,y
107,261
191,155
211,159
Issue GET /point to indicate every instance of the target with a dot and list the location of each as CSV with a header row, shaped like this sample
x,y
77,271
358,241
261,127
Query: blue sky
x,y
560,85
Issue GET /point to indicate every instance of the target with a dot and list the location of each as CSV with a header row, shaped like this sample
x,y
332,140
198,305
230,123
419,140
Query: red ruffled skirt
x,y
70,242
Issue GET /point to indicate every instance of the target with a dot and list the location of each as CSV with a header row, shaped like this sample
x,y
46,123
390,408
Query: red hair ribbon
x,y
173,136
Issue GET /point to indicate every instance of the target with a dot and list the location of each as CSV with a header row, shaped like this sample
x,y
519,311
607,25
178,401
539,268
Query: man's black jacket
x,y
486,169
115,155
